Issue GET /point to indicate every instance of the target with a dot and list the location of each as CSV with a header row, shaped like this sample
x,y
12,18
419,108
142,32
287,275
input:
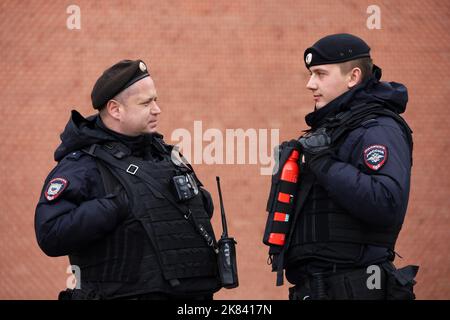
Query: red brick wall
x,y
231,65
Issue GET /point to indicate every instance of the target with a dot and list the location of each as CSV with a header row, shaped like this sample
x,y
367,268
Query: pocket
x,y
400,282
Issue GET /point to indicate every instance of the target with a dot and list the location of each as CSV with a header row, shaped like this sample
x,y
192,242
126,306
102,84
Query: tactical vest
x,y
322,220
317,219
156,237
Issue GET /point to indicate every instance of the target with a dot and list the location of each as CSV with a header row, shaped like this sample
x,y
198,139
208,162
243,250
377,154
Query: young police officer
x,y
133,218
354,180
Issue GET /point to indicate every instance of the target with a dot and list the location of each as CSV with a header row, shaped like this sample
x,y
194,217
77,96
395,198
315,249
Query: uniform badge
x,y
142,66
308,58
55,187
375,156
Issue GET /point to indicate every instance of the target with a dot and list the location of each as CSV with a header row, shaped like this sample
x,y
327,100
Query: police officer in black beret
x,y
125,206
354,181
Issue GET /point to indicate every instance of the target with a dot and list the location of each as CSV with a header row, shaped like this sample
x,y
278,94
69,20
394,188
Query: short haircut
x,y
364,64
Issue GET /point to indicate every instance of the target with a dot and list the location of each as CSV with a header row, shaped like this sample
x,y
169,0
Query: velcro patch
x,y
55,187
375,156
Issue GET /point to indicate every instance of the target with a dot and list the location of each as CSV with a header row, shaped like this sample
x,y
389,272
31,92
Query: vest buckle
x,y
188,214
132,169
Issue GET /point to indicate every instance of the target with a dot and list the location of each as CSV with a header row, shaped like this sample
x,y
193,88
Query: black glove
x,y
291,143
317,150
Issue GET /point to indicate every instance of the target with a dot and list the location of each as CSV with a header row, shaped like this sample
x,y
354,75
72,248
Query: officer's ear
x,y
355,76
113,109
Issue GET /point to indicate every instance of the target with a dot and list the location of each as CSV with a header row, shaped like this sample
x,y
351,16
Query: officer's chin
x,y
321,103
152,127
152,130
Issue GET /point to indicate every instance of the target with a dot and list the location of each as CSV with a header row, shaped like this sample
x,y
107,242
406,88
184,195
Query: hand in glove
x,y
317,150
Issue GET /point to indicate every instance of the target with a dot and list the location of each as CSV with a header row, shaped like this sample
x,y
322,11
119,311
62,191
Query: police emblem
x,y
142,66
308,58
375,156
55,187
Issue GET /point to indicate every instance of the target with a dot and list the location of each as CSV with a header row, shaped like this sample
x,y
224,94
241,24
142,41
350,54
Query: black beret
x,y
336,48
116,79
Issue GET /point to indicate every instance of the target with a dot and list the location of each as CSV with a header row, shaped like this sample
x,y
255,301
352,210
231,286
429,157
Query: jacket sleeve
x,y
80,214
377,196
208,203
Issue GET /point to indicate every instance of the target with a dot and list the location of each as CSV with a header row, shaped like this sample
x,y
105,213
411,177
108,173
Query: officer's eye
x,y
147,103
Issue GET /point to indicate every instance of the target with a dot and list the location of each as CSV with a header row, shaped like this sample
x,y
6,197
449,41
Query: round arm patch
x,y
55,187
375,156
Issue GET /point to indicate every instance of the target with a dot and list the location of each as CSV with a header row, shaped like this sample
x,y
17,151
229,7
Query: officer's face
x,y
139,112
327,83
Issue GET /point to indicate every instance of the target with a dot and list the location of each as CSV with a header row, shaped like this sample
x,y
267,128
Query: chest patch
x,y
55,187
375,156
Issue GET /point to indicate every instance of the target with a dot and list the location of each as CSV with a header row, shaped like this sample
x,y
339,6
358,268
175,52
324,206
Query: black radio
x,y
227,252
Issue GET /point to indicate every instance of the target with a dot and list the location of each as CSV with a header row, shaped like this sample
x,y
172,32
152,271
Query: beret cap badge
x,y
308,58
142,66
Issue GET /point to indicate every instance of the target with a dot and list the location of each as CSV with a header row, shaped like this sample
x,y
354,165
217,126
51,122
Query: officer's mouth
x,y
316,97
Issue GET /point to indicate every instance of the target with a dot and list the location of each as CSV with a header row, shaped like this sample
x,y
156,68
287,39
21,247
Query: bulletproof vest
x,y
322,221
156,237
319,221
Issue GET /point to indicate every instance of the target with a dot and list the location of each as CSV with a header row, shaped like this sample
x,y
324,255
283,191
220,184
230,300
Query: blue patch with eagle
x,y
55,187
375,156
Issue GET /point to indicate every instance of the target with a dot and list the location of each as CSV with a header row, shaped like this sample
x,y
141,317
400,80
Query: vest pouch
x,y
279,210
400,282
282,153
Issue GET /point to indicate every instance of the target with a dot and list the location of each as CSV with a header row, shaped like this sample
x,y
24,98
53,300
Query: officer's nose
x,y
155,108
311,85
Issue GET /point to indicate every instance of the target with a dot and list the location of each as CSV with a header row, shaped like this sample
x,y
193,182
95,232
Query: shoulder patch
x,y
375,156
55,187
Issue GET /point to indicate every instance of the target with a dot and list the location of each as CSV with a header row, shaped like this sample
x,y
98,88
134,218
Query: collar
x,y
344,101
